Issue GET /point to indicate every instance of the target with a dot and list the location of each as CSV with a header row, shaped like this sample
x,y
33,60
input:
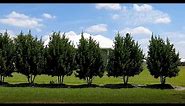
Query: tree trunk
x,y
28,77
162,80
62,79
2,78
125,79
59,79
89,81
33,79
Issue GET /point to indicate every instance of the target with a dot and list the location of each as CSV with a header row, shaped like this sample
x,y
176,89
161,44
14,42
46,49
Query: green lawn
x,y
94,95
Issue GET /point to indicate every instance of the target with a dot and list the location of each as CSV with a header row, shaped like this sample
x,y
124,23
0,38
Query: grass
x,y
93,94
90,95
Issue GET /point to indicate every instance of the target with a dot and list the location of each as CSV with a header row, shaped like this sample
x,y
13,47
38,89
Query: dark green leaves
x,y
162,59
60,57
7,51
29,56
126,58
89,59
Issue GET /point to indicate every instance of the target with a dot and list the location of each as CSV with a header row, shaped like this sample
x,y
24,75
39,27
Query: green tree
x,y
7,50
125,59
162,60
29,56
89,60
61,56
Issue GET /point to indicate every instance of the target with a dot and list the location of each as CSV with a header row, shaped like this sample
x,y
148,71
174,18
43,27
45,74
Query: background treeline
x,y
27,55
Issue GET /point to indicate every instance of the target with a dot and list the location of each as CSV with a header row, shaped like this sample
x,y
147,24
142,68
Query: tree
x,y
29,56
162,60
105,55
125,59
7,56
89,60
61,56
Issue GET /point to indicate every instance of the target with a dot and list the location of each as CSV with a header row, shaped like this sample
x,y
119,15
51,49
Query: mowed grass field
x,y
94,94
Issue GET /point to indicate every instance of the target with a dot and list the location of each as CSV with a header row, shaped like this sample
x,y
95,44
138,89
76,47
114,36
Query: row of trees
x,y
27,55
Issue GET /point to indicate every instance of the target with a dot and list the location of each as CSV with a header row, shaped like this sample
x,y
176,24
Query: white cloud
x,y
144,44
21,20
104,42
109,6
137,31
142,8
164,20
182,59
124,9
141,35
176,38
142,14
115,16
48,16
97,28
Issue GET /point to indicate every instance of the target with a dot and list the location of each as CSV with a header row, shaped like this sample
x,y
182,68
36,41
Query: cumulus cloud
x,y
48,16
115,16
177,38
182,59
109,6
21,20
164,20
142,14
137,31
103,41
97,28
142,8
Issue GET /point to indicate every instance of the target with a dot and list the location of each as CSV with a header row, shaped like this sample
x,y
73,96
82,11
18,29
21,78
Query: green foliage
x,y
105,55
89,59
29,56
162,59
126,59
7,50
61,56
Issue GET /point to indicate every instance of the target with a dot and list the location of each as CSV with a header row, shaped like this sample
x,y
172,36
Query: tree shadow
x,y
118,86
18,85
158,86
3,83
111,86
50,85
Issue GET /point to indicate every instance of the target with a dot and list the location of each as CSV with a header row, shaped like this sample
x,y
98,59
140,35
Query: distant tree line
x,y
27,55
182,64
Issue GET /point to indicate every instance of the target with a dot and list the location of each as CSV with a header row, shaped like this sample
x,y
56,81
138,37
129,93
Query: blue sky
x,y
102,21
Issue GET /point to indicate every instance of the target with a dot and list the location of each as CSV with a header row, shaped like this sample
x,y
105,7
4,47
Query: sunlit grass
x,y
94,95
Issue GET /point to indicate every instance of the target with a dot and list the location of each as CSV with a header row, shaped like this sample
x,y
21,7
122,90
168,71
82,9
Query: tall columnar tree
x,y
89,60
126,58
29,56
61,56
162,60
7,56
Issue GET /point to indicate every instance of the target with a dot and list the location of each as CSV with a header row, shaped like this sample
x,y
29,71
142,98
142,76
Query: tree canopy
x,y
126,58
7,56
162,60
61,56
89,60
29,56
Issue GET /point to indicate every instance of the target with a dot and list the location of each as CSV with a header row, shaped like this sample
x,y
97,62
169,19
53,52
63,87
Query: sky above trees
x,y
101,21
